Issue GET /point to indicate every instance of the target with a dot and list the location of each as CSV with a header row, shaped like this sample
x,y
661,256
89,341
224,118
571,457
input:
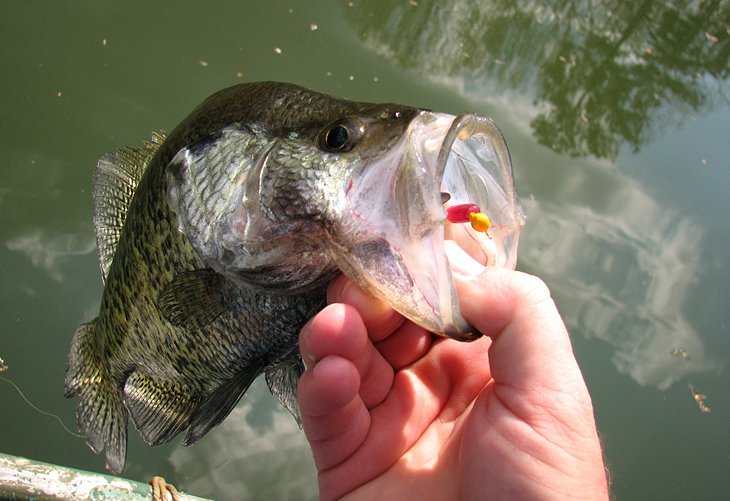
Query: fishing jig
x,y
470,213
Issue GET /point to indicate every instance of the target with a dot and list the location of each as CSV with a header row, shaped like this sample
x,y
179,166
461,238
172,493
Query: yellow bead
x,y
479,221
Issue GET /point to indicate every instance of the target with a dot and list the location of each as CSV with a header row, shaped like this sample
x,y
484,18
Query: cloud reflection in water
x,y
49,253
258,452
623,277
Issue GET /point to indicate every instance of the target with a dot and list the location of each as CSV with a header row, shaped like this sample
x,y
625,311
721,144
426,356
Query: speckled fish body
x,y
217,243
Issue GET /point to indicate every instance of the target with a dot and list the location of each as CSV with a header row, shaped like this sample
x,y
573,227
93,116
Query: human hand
x,y
393,412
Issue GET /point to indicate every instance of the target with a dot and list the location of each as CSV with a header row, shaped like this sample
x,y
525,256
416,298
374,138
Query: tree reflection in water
x,y
599,72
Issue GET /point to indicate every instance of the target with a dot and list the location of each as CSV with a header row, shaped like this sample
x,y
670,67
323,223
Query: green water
x,y
618,121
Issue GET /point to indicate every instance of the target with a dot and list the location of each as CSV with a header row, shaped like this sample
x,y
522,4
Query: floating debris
x,y
700,399
680,353
712,38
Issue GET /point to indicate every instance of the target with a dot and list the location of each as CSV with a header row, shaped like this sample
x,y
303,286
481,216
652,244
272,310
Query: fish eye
x,y
338,137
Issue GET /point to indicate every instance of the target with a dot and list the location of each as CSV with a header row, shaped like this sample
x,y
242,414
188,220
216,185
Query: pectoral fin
x,y
194,299
216,407
282,380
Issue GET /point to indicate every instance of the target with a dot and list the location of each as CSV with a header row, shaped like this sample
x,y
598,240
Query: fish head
x,y
392,226
284,199
256,191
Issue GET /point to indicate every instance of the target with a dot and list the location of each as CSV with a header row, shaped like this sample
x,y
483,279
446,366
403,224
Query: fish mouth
x,y
395,220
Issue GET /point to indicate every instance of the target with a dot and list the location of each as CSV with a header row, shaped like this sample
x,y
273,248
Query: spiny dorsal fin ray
x,y
115,179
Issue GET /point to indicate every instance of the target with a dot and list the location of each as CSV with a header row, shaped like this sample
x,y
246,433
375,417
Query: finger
x,y
334,417
454,373
379,318
461,262
536,375
399,341
430,395
531,350
406,345
322,335
339,330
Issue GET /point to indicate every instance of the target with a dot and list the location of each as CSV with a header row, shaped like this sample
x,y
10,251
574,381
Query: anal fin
x,y
100,413
159,410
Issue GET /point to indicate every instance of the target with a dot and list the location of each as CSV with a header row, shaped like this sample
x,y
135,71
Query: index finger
x,y
380,319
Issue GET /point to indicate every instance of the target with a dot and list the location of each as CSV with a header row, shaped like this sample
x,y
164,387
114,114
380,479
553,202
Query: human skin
x,y
394,412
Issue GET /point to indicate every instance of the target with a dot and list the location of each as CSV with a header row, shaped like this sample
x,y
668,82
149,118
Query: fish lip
x,y
393,230
464,127
466,336
490,185
470,123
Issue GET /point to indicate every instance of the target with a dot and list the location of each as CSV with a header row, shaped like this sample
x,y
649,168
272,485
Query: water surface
x,y
617,118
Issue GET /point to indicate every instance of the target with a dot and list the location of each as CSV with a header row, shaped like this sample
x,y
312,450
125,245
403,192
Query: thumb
x,y
530,343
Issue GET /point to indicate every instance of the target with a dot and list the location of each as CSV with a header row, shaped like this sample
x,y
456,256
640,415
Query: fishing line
x,y
4,367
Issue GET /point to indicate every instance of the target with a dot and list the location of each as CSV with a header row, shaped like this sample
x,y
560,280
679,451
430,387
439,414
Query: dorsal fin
x,y
115,179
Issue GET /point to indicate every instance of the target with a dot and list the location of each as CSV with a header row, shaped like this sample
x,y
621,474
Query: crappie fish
x,y
217,242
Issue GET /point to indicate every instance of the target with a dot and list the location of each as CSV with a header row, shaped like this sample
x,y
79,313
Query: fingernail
x,y
461,262
336,289
304,337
